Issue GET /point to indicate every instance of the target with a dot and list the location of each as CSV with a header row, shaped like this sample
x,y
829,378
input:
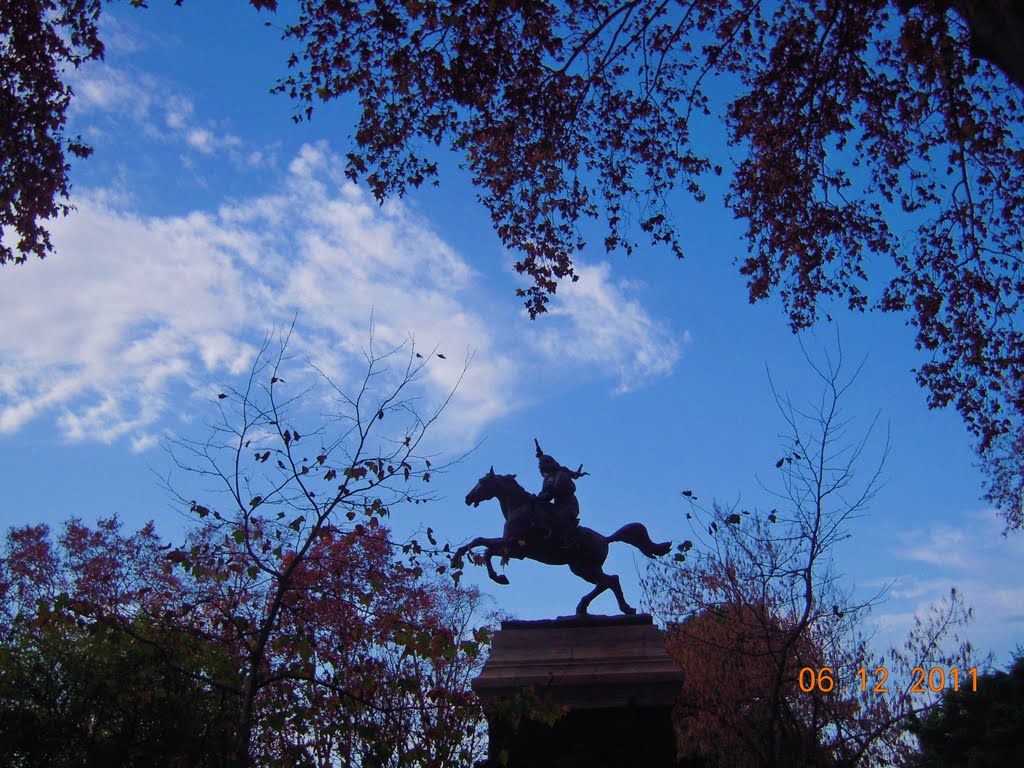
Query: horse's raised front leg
x,y
495,576
479,541
491,547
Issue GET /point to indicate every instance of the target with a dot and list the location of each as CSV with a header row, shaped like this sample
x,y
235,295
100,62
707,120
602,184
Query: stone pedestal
x,y
610,676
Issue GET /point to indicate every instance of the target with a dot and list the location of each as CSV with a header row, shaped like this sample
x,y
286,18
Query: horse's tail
x,y
636,534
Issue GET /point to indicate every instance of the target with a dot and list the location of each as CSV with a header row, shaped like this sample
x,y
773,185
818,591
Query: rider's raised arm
x,y
577,474
561,485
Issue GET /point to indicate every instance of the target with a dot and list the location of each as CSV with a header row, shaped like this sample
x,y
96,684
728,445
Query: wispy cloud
x,y
103,336
153,106
103,88
206,142
595,321
943,546
133,306
972,556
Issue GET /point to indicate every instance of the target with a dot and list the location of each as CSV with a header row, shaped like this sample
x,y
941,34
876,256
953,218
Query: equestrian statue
x,y
545,527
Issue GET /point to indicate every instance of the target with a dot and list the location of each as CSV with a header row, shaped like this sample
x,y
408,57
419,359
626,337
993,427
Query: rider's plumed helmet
x,y
543,460
547,462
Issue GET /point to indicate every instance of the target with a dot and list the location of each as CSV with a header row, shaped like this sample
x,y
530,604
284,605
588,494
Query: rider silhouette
x,y
558,497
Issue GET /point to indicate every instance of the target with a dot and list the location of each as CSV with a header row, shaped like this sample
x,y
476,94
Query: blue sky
x,y
206,218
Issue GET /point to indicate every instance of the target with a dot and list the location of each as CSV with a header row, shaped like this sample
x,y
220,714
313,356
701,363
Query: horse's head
x,y
487,487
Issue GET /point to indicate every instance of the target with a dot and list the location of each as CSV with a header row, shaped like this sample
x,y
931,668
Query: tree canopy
x,y
38,39
290,627
879,145
880,163
977,726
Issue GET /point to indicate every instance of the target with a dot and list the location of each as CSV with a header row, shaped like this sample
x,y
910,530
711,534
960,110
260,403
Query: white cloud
x,y
119,94
124,38
131,306
206,142
942,545
108,335
103,88
178,112
973,557
595,322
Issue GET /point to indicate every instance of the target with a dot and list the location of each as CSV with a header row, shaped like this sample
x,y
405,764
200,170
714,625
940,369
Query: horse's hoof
x,y
501,579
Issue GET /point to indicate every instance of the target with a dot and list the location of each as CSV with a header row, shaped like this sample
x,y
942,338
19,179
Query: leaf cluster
x,y
349,642
89,675
39,41
880,158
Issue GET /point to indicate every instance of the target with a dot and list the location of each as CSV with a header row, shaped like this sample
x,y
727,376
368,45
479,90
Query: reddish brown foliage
x,y
102,571
40,39
368,662
882,161
739,661
344,648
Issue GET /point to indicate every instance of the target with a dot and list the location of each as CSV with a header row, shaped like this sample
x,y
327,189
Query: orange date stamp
x,y
935,678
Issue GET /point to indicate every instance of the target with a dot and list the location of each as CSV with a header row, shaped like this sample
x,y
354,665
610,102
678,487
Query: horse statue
x,y
526,536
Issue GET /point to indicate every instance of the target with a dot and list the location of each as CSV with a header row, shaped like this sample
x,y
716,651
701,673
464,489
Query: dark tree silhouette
x,y
981,727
